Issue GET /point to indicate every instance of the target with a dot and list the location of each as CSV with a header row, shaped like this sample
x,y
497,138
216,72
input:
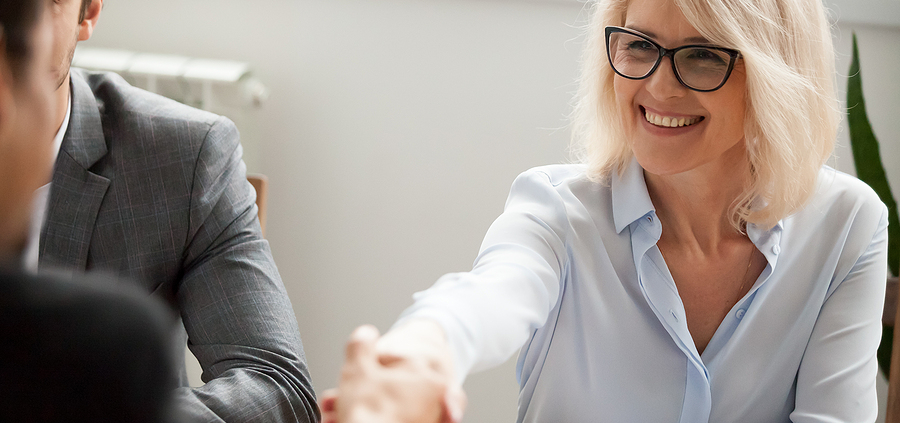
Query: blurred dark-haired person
x,y
71,351
156,192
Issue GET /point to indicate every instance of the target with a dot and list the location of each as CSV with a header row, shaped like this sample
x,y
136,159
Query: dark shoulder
x,y
77,314
95,296
101,350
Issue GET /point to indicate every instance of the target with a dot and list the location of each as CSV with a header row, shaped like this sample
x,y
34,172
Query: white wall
x,y
394,130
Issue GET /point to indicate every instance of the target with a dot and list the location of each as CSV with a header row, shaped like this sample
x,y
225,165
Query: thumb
x,y
454,405
361,346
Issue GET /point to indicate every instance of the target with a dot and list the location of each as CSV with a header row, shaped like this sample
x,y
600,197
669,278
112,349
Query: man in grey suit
x,y
156,192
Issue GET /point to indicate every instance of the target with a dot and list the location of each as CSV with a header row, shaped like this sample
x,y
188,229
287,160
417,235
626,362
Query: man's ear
x,y
91,16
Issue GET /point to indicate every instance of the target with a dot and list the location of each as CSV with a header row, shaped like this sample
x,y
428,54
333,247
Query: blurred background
x,y
392,130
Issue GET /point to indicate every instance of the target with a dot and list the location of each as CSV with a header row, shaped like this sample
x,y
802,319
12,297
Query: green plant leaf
x,y
867,158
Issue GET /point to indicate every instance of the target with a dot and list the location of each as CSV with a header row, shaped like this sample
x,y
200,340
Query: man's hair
x,y
792,112
17,19
85,4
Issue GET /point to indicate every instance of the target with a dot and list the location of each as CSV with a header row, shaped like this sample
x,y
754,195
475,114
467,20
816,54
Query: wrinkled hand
x,y
402,377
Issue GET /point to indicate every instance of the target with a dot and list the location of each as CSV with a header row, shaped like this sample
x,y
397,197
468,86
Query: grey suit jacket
x,y
155,191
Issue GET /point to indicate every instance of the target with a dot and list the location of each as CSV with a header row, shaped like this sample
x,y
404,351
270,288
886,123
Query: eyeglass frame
x,y
732,53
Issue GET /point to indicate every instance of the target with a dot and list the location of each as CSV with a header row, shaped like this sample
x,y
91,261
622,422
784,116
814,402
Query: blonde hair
x,y
792,112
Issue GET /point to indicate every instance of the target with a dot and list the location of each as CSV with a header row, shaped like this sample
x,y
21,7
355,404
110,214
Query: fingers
x,y
391,386
329,417
328,406
362,342
360,352
359,362
454,405
327,401
389,359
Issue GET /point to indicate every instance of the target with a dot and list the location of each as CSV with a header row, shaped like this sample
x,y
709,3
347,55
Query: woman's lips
x,y
661,120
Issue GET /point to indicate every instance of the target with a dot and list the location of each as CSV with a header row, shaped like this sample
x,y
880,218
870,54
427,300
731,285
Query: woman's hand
x,y
404,376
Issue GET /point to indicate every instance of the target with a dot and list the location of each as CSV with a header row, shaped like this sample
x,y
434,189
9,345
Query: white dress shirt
x,y
570,274
39,204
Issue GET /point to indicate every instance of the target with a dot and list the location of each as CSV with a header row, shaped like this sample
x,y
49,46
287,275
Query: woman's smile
x,y
667,124
669,120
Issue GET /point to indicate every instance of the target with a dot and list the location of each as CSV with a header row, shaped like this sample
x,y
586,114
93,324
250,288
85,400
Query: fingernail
x,y
366,332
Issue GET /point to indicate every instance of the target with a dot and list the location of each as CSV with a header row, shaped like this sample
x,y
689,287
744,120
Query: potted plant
x,y
869,169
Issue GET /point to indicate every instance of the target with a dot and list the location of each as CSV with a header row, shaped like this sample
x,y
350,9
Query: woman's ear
x,y
91,16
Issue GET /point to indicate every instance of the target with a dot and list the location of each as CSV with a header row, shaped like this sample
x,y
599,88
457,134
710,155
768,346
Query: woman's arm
x,y
466,321
836,379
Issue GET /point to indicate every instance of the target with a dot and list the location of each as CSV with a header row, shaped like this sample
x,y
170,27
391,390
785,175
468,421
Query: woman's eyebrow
x,y
690,40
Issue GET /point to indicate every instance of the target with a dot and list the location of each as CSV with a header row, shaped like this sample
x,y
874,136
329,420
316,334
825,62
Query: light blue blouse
x,y
570,274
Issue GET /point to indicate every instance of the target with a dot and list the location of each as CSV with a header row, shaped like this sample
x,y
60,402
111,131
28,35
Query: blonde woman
x,y
701,265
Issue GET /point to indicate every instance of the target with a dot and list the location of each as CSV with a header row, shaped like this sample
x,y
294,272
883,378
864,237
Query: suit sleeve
x,y
836,380
238,317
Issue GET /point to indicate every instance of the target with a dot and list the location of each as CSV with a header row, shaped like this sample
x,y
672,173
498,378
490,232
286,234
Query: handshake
x,y
404,376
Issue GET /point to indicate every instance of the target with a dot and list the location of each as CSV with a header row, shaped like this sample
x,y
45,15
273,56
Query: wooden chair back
x,y
261,184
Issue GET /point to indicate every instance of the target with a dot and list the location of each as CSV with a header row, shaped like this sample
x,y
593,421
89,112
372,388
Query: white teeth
x,y
669,122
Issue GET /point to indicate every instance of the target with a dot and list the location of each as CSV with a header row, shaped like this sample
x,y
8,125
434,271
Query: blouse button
x,y
740,313
776,249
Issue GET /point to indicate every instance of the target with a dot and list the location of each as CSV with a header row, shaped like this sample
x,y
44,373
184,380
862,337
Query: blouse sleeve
x,y
489,312
836,379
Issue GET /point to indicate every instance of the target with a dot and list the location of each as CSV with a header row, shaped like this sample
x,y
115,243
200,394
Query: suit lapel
x,y
76,192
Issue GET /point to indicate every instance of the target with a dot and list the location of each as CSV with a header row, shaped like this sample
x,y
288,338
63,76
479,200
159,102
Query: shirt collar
x,y
630,198
767,241
57,141
631,201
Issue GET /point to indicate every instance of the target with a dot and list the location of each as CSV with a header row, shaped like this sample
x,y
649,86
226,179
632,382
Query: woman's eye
x,y
641,46
704,55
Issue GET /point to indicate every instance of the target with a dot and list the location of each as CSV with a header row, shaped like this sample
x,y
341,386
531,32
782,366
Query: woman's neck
x,y
696,207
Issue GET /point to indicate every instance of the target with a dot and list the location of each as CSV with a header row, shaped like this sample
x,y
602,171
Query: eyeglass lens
x,y
699,68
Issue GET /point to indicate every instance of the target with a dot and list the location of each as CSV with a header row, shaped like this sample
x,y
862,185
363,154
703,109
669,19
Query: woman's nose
x,y
663,84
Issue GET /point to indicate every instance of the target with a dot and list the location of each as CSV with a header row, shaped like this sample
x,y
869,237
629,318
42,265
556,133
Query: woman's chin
x,y
662,162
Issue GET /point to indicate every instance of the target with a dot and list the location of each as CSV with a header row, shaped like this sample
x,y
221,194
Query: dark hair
x,y
18,18
84,7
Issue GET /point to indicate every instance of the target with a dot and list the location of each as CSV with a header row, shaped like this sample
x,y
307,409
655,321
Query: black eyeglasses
x,y
698,67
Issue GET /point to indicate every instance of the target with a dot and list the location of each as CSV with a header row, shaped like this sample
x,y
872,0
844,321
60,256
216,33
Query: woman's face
x,y
715,140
